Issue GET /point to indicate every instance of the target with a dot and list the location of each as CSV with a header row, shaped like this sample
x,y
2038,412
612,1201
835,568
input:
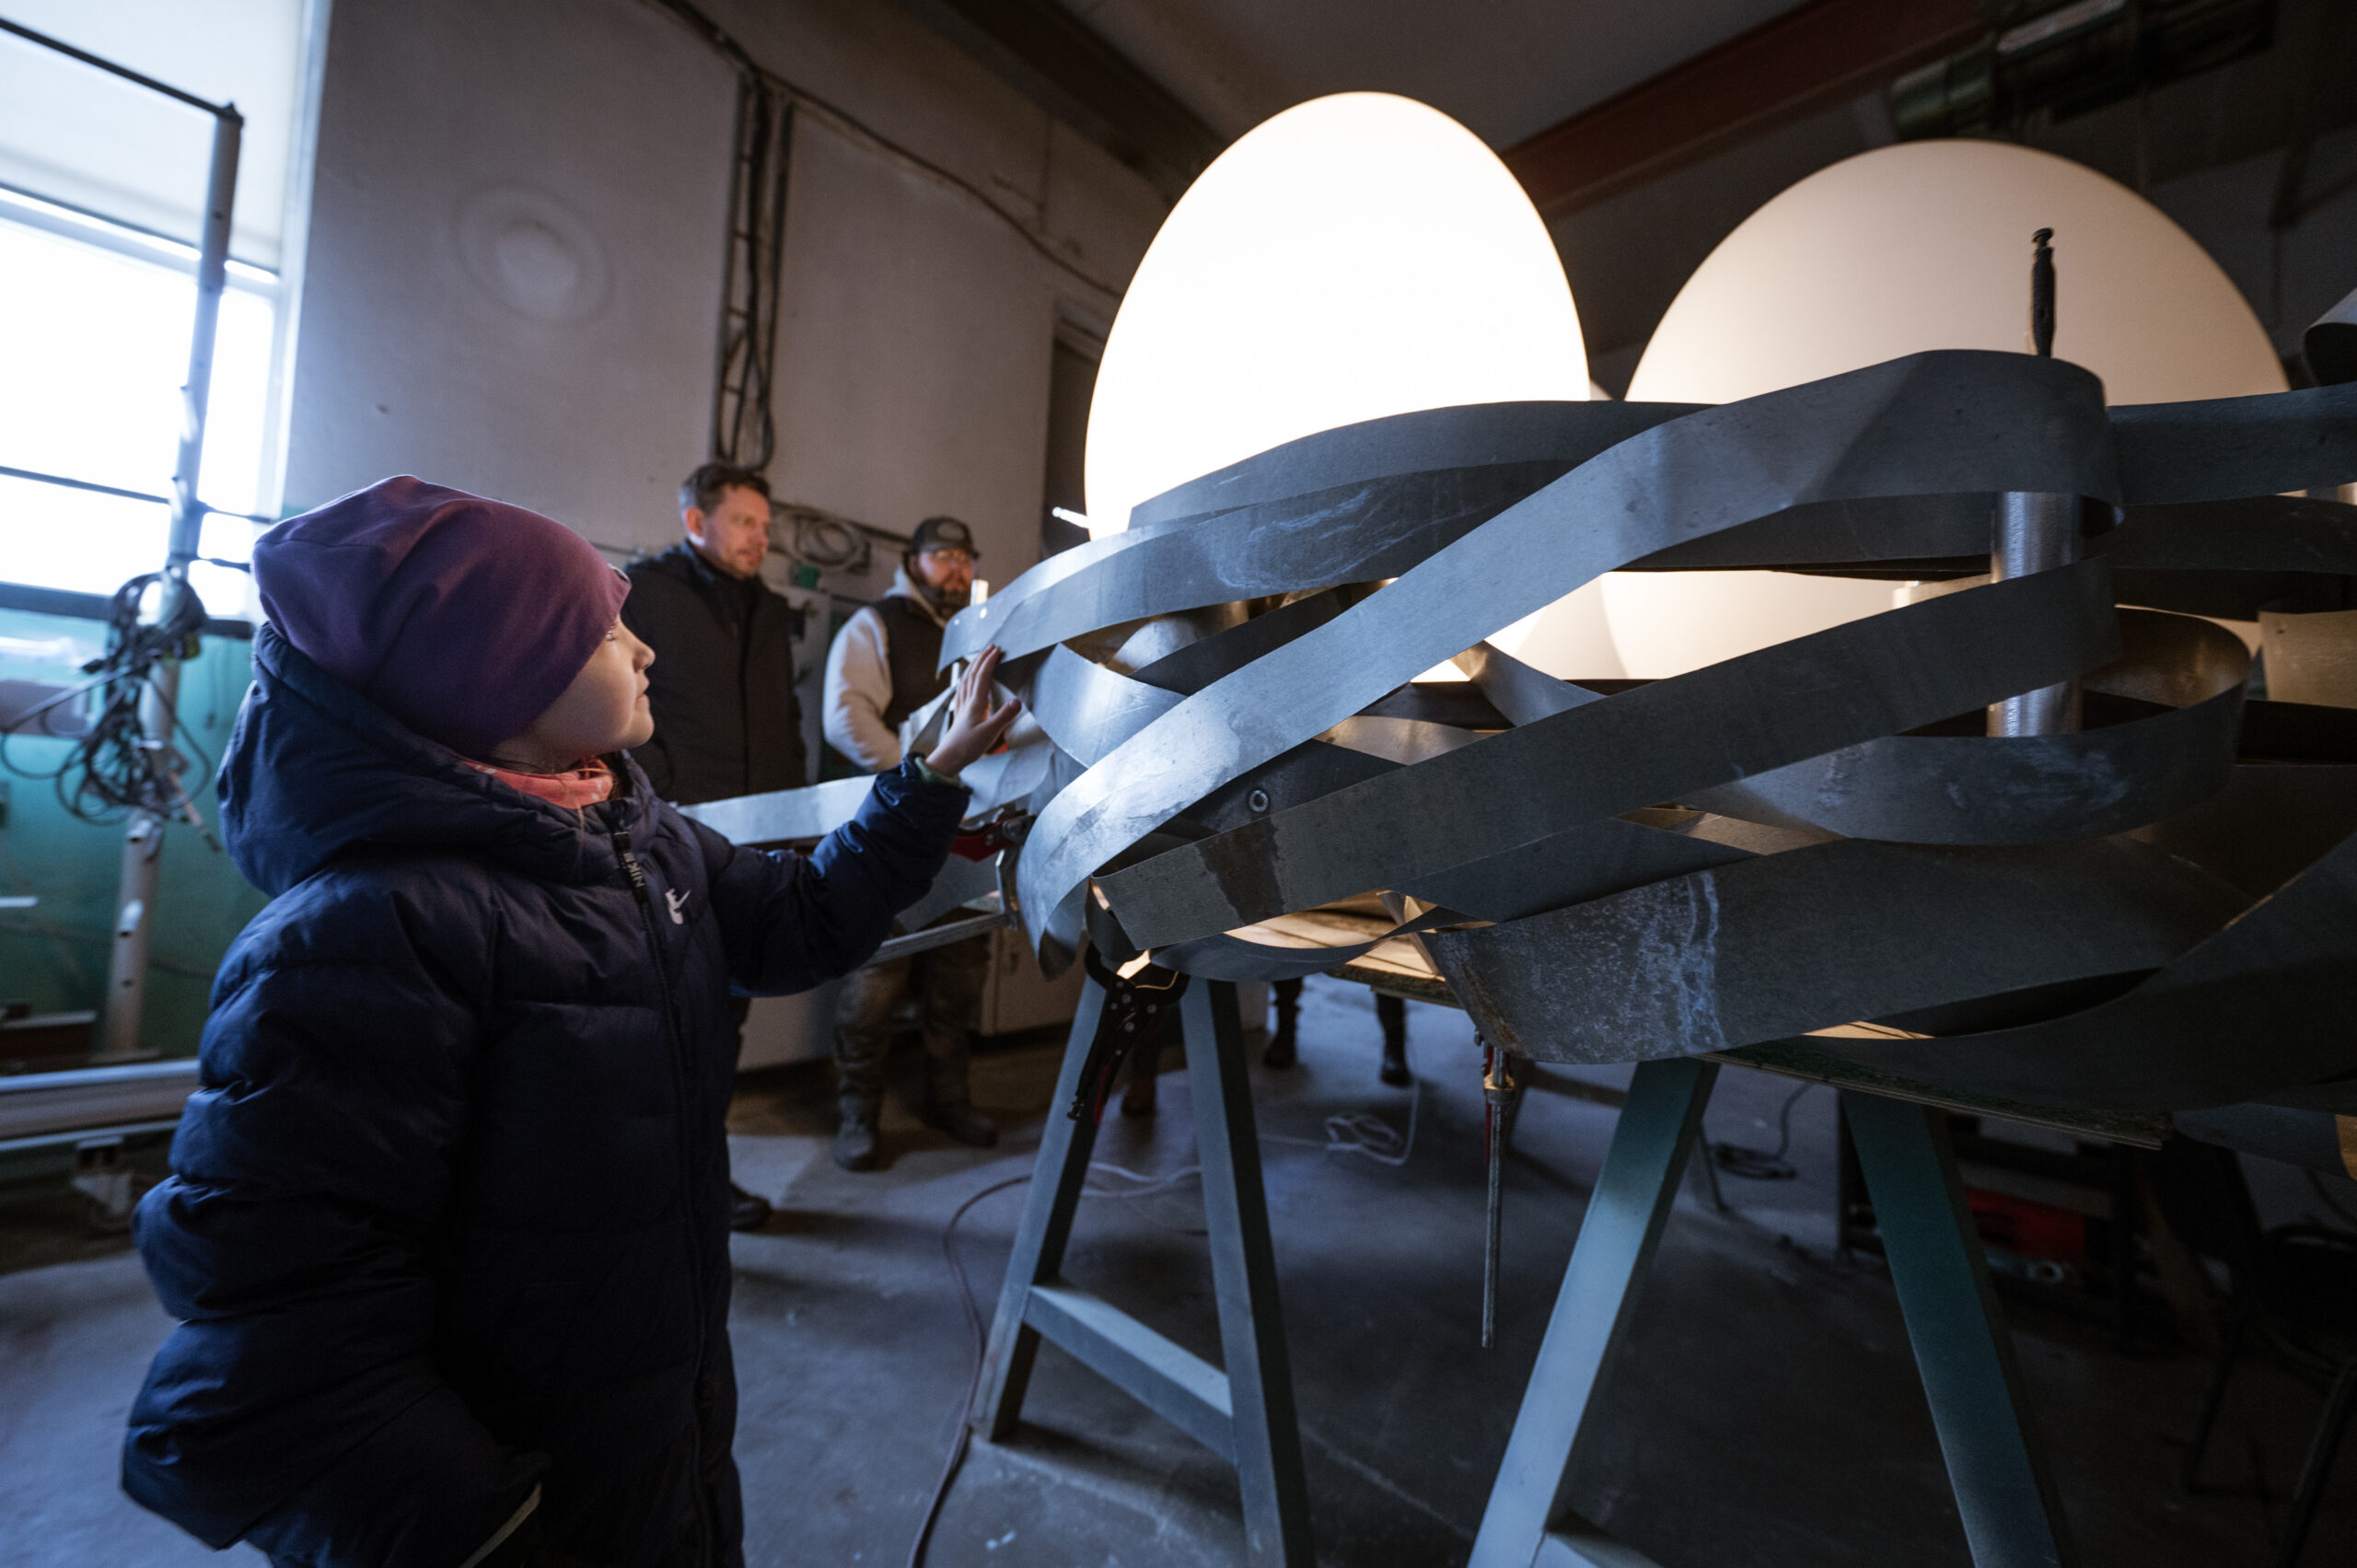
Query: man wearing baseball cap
x,y
882,668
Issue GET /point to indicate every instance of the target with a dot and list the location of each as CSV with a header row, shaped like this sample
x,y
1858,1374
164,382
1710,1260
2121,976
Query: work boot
x,y
746,1212
855,1136
1281,1050
1392,1014
958,1118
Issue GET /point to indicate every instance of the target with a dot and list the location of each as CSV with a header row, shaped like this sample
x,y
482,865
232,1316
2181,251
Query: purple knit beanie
x,y
462,618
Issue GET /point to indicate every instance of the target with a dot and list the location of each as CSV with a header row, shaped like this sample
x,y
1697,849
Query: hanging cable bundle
x,y
829,542
116,767
744,431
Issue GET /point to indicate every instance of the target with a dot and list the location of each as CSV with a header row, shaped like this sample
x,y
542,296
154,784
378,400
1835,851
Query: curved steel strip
x,y
1937,424
1463,436
1353,533
1523,694
1660,742
1849,532
2254,533
2224,447
1590,860
784,816
1191,669
1596,859
2267,823
1230,956
1361,501
1821,936
1088,709
2258,1010
2031,789
2190,471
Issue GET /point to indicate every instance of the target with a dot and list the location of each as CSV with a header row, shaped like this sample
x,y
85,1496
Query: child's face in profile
x,y
604,710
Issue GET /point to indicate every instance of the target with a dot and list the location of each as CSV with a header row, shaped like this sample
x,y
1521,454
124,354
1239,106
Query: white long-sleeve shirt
x,y
859,685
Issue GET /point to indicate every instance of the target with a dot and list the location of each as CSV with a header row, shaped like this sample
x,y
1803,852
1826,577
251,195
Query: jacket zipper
x,y
637,876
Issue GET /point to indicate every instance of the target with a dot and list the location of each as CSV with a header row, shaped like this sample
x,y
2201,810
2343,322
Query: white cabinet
x,y
1017,996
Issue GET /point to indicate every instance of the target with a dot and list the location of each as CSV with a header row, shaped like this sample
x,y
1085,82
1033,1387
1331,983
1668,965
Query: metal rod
x,y
142,840
2037,531
112,69
1496,1234
2041,294
1502,1083
196,394
37,476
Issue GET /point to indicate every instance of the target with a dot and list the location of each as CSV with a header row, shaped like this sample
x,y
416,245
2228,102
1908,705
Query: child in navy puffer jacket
x,y
447,1227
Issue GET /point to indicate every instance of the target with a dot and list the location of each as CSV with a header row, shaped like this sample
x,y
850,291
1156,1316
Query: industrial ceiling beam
x,y
1814,55
1062,64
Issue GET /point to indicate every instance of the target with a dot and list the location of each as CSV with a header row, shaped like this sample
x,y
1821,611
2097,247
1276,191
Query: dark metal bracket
x,y
1245,1413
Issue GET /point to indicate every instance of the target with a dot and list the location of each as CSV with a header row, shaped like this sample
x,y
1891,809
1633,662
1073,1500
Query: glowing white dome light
x,y
1920,246
1355,256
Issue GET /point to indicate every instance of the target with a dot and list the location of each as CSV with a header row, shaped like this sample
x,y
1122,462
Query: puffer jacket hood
x,y
313,770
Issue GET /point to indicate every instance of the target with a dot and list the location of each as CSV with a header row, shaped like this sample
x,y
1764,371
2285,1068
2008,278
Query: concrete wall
x,y
514,274
514,279
517,250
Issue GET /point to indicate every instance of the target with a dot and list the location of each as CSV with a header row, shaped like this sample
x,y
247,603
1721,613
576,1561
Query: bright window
x,y
93,349
100,184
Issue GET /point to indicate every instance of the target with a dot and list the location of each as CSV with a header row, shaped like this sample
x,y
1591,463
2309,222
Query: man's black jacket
x,y
726,722
450,1212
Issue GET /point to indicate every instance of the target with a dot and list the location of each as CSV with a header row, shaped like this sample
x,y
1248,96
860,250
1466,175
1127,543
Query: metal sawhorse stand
x,y
2004,1490
1245,1414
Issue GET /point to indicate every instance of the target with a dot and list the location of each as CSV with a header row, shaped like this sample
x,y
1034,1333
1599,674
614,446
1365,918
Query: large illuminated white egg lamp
x,y
1924,245
1355,256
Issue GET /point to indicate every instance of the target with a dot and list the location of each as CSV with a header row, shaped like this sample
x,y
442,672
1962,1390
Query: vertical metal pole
x,y
2004,1492
211,273
2037,531
144,839
1631,1202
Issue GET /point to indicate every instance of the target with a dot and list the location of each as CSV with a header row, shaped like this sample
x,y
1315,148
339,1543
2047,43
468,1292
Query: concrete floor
x,y
1767,1413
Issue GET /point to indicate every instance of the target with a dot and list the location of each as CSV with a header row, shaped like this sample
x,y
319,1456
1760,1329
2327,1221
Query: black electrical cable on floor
x,y
1764,1165
973,1383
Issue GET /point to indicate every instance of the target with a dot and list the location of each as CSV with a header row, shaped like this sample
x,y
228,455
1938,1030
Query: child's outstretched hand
x,y
975,724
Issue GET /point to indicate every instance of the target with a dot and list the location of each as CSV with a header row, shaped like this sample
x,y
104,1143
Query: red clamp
x,y
998,833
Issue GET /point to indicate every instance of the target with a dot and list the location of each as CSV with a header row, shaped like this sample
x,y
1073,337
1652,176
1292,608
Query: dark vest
x,y
913,648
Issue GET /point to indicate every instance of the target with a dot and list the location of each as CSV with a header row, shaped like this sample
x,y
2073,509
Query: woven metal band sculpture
x,y
2156,911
